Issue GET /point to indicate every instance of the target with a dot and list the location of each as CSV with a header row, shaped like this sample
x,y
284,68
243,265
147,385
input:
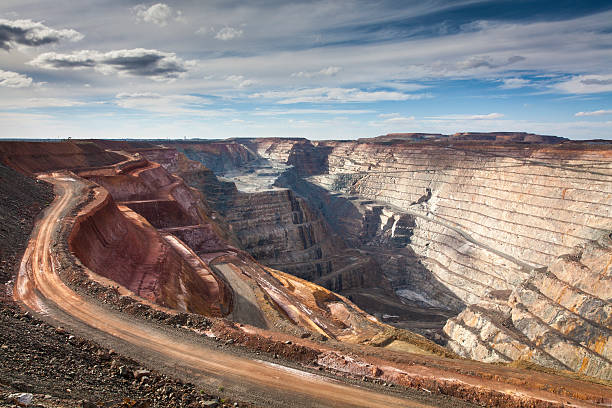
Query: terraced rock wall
x,y
281,231
277,228
218,156
119,245
490,223
493,213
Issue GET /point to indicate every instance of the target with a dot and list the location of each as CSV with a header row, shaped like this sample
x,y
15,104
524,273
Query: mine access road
x,y
40,289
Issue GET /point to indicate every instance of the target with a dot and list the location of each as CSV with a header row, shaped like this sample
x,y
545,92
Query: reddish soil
x,y
35,157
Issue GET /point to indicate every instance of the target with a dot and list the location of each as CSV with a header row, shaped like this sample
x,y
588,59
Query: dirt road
x,y
40,288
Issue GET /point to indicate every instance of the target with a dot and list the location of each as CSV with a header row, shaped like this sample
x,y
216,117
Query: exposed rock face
x,y
515,237
218,156
117,243
506,137
151,234
560,316
278,228
478,223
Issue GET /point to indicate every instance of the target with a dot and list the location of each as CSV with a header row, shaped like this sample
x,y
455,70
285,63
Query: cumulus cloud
x,y
159,14
585,84
313,95
11,79
228,33
329,71
595,113
154,64
31,33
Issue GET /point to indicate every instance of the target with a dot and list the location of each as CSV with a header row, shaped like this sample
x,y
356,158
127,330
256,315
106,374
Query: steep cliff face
x,y
476,222
560,316
118,244
513,211
217,156
277,228
134,243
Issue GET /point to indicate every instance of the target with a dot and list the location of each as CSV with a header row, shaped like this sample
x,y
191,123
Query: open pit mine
x,y
472,269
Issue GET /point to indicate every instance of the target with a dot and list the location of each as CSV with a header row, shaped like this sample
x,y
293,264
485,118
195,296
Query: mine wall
x,y
218,156
479,236
121,246
282,230
509,245
489,227
187,235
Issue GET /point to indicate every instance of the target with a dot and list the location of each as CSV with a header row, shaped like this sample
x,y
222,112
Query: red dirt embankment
x,y
36,157
120,245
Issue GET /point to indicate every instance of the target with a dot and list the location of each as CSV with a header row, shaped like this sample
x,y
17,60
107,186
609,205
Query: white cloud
x,y
312,112
205,30
595,113
228,33
159,14
154,64
402,86
392,119
514,83
585,84
31,33
314,95
487,62
399,119
246,83
329,71
28,103
487,116
163,104
11,79
240,81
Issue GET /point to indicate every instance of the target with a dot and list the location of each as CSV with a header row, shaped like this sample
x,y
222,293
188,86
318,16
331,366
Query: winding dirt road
x,y
40,288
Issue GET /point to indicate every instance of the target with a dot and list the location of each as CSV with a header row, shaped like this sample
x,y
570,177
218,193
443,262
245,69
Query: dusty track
x,y
40,288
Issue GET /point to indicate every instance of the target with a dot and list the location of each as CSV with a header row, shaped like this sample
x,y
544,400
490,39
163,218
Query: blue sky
x,y
323,70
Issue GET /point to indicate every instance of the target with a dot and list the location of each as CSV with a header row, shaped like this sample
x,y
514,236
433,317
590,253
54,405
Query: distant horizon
x,y
212,139
321,70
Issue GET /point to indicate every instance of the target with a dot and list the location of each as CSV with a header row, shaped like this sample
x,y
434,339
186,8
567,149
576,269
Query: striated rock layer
x,y
468,222
165,244
127,243
279,229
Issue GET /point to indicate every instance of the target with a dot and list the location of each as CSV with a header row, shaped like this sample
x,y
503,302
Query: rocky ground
x,y
21,199
61,370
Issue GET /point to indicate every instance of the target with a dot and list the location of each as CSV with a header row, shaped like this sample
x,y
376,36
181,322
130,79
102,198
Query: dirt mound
x,y
35,157
21,199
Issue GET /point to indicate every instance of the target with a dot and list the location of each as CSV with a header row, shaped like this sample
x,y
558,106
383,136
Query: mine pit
x,y
369,254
